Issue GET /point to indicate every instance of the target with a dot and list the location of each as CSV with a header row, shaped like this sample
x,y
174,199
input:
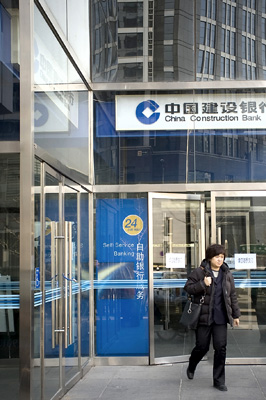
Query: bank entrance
x,y
180,228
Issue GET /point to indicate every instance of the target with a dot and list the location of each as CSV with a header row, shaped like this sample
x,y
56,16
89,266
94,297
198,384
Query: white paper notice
x,y
175,260
245,261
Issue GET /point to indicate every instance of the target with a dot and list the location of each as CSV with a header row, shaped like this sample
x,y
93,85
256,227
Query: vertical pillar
x,y
26,198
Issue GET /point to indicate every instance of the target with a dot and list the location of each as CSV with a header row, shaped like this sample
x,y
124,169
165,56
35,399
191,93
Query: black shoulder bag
x,y
191,312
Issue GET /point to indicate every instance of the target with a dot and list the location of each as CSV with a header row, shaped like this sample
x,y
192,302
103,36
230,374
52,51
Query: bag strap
x,y
203,298
191,297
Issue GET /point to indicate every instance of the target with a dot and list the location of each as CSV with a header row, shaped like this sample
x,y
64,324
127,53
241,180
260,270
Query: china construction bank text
x,y
211,118
214,118
197,118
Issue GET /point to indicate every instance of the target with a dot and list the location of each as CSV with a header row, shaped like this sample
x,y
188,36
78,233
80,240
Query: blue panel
x,y
121,278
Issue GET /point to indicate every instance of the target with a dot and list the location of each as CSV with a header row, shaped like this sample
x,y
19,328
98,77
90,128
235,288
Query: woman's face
x,y
217,261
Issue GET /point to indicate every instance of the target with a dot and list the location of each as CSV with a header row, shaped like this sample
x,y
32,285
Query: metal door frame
x,y
46,169
63,183
214,237
170,196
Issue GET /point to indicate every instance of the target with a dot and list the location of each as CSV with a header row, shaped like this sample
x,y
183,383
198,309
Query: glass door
x,y
238,220
52,281
176,234
60,284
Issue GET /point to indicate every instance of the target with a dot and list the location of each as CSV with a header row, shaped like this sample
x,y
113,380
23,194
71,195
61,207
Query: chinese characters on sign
x,y
214,111
245,261
133,225
229,110
139,272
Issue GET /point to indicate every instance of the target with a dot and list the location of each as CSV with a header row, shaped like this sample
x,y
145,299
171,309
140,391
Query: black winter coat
x,y
195,286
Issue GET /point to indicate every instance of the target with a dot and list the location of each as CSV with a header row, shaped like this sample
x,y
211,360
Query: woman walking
x,y
214,279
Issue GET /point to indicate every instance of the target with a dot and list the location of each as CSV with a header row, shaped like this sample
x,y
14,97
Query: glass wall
x,y
61,116
9,201
9,276
51,64
104,38
121,276
224,140
178,41
37,274
61,129
69,13
9,72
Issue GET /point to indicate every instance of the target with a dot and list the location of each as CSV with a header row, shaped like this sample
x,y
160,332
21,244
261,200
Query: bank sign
x,y
187,112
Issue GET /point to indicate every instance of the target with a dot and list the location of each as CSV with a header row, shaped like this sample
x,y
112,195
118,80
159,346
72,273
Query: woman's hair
x,y
214,250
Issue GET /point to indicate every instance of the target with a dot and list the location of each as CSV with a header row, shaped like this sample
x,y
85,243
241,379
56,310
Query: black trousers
x,y
218,333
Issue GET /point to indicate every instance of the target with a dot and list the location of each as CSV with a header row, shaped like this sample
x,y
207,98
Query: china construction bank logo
x,y
146,112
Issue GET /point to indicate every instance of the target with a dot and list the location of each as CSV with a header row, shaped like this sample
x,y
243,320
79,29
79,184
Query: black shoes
x,y
222,388
190,374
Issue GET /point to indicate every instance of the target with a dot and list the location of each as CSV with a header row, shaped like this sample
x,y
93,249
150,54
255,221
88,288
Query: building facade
x,y
133,135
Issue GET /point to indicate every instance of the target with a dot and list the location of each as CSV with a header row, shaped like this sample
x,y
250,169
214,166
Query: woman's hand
x,y
236,322
207,280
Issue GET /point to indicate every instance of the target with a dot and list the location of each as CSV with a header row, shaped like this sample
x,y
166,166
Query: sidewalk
x,y
169,382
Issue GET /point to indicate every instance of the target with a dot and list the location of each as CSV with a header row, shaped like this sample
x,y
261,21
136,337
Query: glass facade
x,y
178,156
37,292
9,200
141,139
51,64
69,13
61,128
194,40
9,275
61,116
9,72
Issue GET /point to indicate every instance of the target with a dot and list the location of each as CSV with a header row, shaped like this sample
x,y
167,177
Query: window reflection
x,y
9,275
130,72
228,28
9,73
61,128
175,156
130,14
130,44
51,64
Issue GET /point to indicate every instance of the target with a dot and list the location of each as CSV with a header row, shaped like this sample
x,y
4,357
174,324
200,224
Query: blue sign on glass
x,y
122,277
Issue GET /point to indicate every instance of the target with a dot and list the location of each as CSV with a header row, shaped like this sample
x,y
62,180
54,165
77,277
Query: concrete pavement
x,y
168,382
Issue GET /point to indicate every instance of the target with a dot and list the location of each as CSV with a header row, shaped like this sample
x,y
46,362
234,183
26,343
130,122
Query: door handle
x,y
54,283
70,283
66,285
